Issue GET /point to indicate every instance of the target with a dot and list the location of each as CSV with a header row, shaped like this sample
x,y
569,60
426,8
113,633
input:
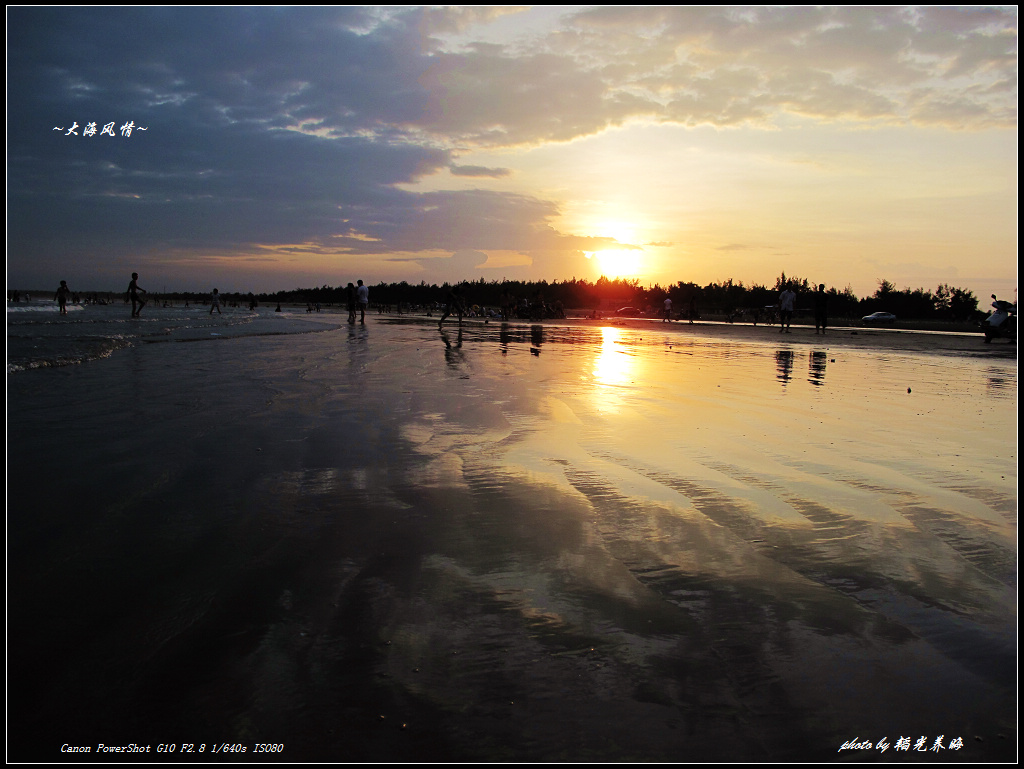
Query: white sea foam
x,y
47,306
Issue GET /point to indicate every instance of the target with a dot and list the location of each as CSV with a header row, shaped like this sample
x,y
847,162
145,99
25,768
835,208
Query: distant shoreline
x,y
709,319
935,337
923,340
902,339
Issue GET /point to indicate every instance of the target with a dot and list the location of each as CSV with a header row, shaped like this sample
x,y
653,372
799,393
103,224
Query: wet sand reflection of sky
x,y
612,529
647,368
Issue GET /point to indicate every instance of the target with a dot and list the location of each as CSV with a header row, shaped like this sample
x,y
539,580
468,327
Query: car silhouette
x,y
879,317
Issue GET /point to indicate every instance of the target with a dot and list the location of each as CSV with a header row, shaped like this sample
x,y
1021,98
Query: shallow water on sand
x,y
387,543
38,336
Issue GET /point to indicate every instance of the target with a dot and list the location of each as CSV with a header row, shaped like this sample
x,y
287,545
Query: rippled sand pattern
x,y
527,544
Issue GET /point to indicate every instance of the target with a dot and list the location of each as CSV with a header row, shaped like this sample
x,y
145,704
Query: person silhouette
x,y
62,297
787,301
133,293
350,297
453,304
820,309
363,297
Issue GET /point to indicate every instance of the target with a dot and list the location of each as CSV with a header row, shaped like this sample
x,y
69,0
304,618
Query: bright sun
x,y
619,263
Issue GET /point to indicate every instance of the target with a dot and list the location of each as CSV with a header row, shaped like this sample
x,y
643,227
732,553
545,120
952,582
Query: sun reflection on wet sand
x,y
614,369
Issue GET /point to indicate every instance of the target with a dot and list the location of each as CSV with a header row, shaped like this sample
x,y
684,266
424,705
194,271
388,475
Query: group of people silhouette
x,y
358,300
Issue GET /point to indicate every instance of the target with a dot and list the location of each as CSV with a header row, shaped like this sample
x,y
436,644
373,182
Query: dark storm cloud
x,y
265,67
263,126
229,185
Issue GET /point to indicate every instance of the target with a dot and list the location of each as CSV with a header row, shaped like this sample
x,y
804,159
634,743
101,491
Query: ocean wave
x,y
40,307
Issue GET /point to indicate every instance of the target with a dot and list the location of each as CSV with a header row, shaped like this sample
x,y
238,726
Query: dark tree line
x,y
945,303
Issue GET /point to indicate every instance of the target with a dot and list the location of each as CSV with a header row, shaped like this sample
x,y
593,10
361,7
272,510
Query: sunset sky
x,y
297,147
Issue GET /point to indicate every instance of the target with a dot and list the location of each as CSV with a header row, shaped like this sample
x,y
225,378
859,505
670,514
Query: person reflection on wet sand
x,y
453,354
503,339
536,339
784,365
816,372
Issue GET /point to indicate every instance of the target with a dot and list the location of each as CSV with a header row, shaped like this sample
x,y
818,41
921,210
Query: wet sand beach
x,y
551,542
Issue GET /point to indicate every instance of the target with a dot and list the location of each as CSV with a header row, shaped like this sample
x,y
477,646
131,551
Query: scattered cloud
x,y
479,171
